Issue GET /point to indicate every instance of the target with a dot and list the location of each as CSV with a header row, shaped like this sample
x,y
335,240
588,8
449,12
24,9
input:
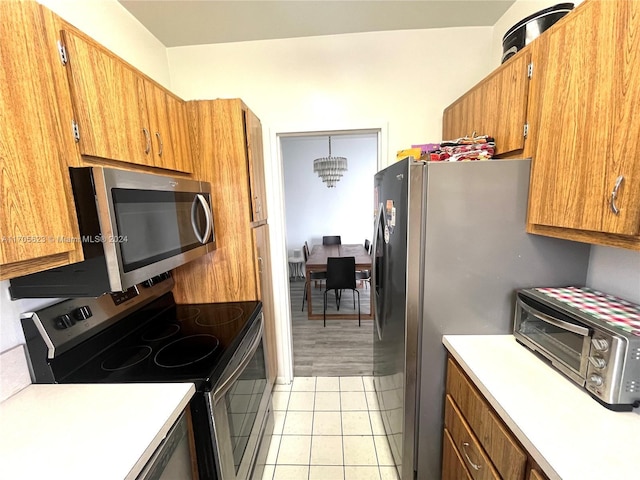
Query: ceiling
x,y
196,22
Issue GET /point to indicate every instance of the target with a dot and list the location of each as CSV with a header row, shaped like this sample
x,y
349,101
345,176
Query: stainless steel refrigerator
x,y
450,249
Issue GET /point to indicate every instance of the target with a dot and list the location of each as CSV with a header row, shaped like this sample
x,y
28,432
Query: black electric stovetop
x,y
163,342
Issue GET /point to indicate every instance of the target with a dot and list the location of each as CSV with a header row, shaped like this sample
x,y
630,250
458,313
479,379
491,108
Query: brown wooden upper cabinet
x,y
38,224
497,106
254,155
121,114
582,133
585,182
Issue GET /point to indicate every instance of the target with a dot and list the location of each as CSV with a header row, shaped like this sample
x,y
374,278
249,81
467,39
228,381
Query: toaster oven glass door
x,y
556,336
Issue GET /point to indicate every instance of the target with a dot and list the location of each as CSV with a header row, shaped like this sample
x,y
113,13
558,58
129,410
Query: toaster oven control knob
x,y
600,344
64,321
598,362
596,380
82,313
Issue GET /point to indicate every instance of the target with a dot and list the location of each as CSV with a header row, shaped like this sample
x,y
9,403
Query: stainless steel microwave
x,y
133,227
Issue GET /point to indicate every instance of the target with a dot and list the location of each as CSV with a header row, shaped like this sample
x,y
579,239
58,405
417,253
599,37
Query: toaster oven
x,y
591,337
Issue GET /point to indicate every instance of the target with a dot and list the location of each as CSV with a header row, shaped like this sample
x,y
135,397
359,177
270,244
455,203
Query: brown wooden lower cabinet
x,y
453,467
476,436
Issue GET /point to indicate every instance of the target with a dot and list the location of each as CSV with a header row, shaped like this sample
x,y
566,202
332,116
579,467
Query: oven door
x,y
561,339
240,407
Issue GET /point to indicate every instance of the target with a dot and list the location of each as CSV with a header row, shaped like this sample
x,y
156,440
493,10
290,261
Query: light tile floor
x,y
328,428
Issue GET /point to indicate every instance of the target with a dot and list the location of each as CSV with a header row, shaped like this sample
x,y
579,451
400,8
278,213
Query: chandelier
x,y
330,169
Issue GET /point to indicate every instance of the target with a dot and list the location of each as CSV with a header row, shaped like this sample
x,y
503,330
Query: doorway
x,y
275,194
313,210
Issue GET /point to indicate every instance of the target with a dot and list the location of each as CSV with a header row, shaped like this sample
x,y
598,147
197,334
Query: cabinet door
x,y
256,166
476,459
503,450
227,274
178,119
453,467
587,139
497,106
38,214
265,294
160,127
109,102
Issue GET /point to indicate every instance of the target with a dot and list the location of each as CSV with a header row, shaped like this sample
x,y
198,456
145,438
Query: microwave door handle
x,y
554,321
207,215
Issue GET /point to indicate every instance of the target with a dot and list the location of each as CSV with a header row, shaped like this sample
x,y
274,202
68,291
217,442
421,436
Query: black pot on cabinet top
x,y
523,32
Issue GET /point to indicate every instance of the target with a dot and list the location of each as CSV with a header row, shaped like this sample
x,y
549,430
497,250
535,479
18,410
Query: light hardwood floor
x,y
339,349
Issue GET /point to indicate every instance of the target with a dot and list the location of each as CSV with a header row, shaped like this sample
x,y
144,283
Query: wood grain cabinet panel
x,y
229,273
497,106
507,456
476,460
536,475
121,114
109,102
453,467
265,294
166,117
253,139
588,128
36,146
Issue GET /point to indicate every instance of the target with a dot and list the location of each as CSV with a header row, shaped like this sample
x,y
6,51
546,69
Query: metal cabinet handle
x,y
614,195
160,145
147,137
475,466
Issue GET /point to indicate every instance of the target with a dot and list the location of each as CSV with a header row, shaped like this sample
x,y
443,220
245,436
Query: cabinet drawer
x,y
506,454
452,464
475,458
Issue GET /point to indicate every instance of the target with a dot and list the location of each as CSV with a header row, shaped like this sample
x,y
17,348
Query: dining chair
x,y
341,275
332,240
315,276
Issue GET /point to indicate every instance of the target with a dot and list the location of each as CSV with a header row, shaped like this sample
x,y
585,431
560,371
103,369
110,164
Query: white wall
x,y
404,78
312,209
115,28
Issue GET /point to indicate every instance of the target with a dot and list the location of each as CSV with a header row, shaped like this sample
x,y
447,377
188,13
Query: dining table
x,y
317,262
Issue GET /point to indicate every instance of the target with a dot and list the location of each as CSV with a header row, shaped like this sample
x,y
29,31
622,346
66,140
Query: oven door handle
x,y
231,379
554,321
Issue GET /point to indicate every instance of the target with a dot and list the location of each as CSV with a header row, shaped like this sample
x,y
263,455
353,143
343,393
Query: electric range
x,y
141,336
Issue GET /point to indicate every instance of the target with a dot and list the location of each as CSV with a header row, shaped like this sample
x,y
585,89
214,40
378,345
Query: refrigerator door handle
x,y
374,249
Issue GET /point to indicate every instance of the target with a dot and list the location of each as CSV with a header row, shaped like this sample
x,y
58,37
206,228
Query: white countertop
x,y
86,431
568,433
